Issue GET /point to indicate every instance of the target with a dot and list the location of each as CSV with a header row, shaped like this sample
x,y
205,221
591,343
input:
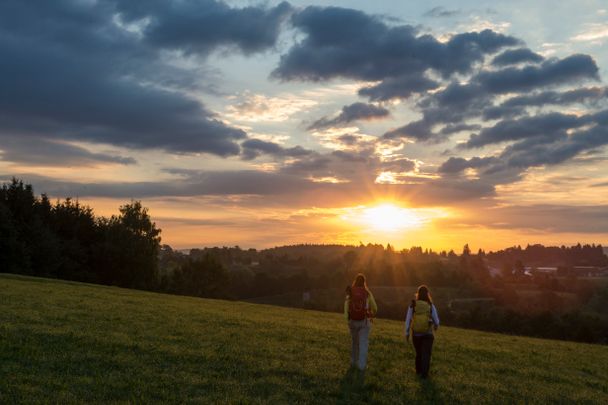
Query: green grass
x,y
63,342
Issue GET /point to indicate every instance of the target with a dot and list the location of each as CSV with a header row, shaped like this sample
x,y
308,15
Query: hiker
x,y
420,321
359,309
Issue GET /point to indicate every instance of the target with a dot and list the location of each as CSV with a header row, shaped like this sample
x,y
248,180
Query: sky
x,y
262,124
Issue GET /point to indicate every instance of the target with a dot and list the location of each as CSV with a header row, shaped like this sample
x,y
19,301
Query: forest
x,y
502,291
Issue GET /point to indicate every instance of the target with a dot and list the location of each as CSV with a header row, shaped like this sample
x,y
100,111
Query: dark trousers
x,y
423,345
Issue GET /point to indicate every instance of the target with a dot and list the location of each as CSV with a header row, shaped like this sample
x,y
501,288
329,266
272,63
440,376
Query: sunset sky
x,y
271,123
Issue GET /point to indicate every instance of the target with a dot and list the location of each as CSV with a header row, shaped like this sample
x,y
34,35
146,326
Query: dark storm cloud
x,y
69,71
439,12
202,26
42,152
350,113
348,43
253,148
515,56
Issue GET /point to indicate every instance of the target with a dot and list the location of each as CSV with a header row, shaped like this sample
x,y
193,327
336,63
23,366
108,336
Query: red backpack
x,y
357,307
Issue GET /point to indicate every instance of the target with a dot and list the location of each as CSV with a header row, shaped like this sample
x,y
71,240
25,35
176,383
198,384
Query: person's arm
x,y
346,304
408,321
372,304
435,316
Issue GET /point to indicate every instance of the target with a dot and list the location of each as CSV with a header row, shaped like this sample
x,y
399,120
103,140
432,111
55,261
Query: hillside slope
x,y
69,342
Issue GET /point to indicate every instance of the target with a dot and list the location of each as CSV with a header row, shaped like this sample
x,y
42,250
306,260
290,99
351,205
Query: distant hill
x,y
64,342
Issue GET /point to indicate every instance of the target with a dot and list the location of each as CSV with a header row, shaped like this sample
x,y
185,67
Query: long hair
x,y
360,281
424,294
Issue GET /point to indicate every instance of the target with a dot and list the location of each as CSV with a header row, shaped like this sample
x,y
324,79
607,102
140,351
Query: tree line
x,y
67,240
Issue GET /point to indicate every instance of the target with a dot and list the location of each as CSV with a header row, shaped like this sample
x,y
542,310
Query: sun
x,y
389,217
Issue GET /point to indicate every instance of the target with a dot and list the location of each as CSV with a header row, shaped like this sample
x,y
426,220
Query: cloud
x,y
553,218
527,127
453,129
582,95
458,164
350,44
253,148
593,32
515,56
516,106
94,71
399,87
259,108
350,113
458,102
539,147
551,72
420,130
349,139
42,152
275,188
205,25
399,165
439,12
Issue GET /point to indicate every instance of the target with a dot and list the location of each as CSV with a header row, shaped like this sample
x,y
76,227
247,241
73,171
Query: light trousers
x,y
359,333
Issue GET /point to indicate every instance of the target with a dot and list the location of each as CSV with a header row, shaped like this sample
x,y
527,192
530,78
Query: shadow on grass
x,y
428,391
352,386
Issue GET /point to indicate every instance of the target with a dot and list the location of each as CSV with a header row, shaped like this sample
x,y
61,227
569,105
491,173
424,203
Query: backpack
x,y
422,317
357,307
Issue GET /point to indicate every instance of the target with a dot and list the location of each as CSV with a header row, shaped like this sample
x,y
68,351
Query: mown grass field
x,y
63,342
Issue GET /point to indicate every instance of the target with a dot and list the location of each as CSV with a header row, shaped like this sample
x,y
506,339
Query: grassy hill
x,y
67,342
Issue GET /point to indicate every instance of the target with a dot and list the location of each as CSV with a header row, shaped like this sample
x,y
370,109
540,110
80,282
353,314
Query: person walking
x,y
359,309
420,321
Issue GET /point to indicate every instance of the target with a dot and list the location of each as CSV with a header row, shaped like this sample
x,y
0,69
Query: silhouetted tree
x,y
130,248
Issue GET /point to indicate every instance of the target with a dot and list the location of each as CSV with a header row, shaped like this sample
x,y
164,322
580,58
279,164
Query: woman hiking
x,y
359,308
420,321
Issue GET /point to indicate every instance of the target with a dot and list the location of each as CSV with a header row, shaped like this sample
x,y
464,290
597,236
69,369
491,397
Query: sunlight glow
x,y
389,217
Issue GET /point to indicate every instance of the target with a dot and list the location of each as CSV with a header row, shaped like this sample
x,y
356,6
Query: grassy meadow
x,y
63,342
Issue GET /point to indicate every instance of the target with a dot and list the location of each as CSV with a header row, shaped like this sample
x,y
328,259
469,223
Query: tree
x,y
12,250
506,271
131,247
203,277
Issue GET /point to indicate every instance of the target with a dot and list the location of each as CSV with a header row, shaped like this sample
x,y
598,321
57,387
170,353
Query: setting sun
x,y
389,217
